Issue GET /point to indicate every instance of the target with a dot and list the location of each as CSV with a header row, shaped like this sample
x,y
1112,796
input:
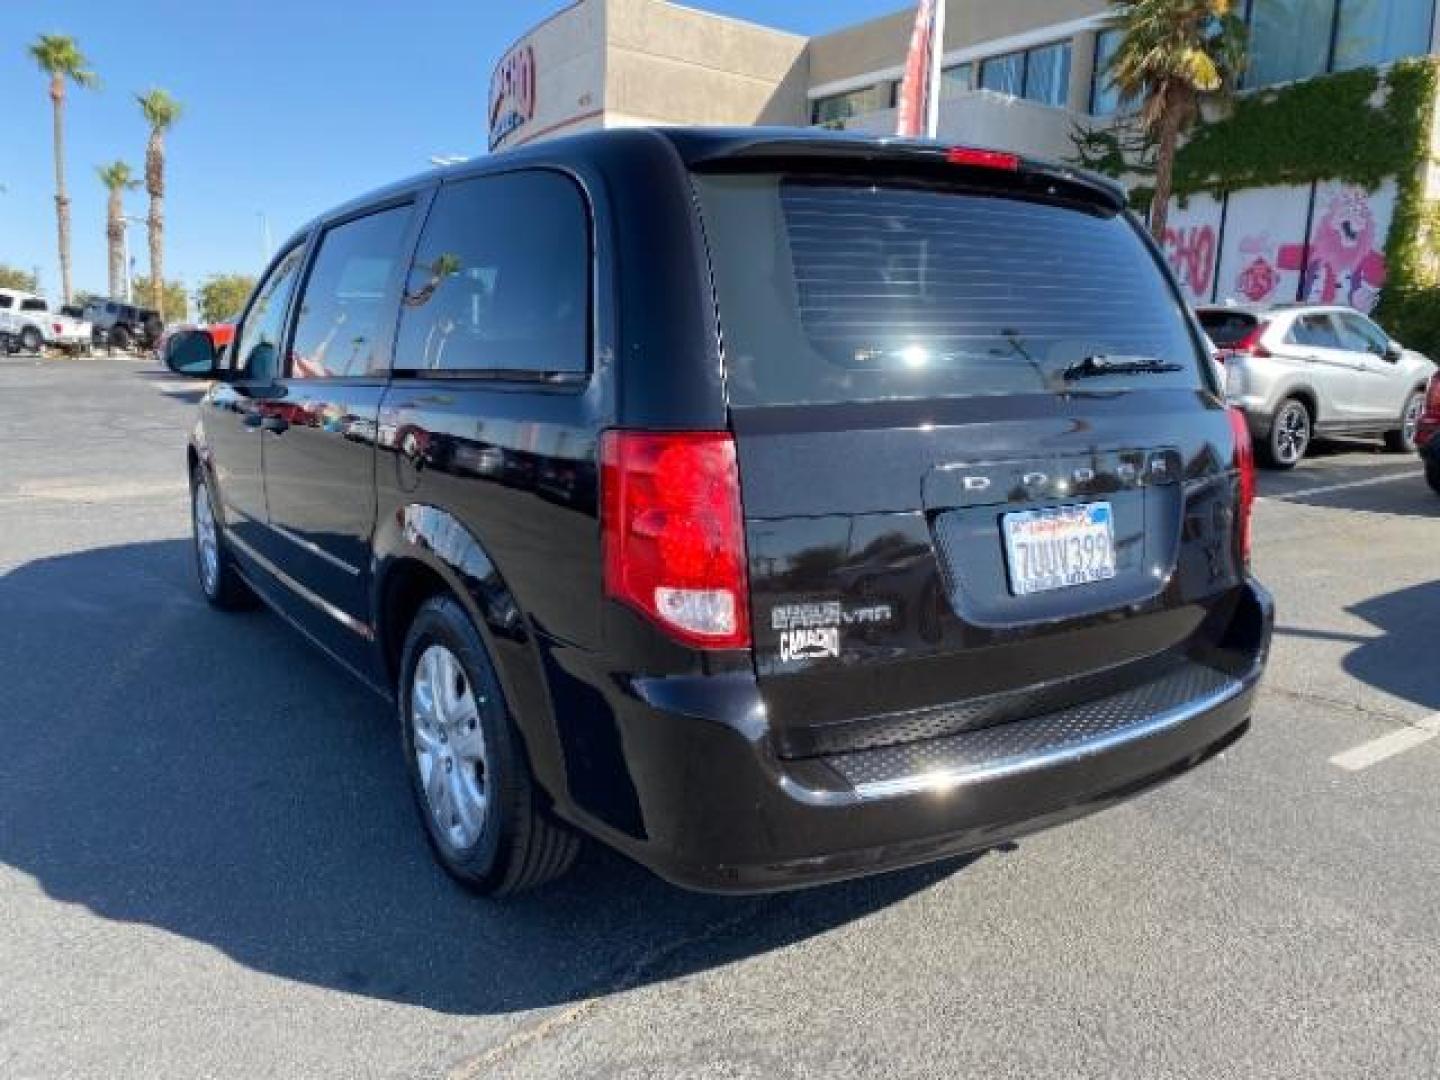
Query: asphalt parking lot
x,y
209,865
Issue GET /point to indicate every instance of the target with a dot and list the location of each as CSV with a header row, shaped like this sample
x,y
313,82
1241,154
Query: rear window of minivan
x,y
842,290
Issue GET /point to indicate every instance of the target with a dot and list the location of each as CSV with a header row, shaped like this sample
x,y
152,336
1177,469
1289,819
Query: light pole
x,y
126,221
264,238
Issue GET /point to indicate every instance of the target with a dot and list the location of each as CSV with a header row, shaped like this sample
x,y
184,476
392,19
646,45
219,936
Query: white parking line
x,y
65,491
1387,746
1326,489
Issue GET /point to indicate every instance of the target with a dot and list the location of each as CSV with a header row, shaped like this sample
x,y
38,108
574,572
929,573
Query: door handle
x,y
277,424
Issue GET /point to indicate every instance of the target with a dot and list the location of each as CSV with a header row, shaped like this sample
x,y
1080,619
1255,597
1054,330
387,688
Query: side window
x,y
33,305
257,349
6,303
342,310
501,280
1315,330
1359,334
1004,74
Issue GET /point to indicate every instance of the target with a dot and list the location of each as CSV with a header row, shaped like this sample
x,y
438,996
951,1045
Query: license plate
x,y
1059,547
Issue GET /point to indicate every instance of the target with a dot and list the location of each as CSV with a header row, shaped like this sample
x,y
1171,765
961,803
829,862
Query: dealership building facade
x,y
1028,75
1017,73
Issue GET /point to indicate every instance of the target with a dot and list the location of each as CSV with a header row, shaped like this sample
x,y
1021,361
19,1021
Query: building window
x,y
1004,74
957,80
1289,40
1379,31
1298,39
1041,75
1047,75
840,107
1104,95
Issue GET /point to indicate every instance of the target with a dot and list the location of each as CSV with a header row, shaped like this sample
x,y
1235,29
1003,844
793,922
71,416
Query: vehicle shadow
x,y
215,777
1401,662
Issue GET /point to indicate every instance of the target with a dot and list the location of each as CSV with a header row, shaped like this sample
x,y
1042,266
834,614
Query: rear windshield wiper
x,y
1092,367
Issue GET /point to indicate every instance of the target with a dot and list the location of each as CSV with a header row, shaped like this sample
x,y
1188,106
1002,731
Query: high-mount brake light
x,y
674,535
983,159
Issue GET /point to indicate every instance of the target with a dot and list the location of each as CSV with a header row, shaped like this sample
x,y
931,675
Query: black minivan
x,y
773,506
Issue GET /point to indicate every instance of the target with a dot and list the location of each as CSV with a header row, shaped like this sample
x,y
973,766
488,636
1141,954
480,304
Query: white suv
x,y
1299,371
36,324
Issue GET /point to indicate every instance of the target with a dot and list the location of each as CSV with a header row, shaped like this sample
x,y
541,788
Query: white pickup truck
x,y
35,323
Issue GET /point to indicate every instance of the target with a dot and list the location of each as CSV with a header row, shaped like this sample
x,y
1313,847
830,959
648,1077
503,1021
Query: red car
x,y
1427,434
222,333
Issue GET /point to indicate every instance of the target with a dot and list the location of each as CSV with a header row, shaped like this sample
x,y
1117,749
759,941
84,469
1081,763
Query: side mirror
x,y
1394,352
192,353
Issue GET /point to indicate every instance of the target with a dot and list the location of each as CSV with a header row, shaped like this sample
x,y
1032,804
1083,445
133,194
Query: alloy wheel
x,y
1292,433
450,749
1414,408
207,540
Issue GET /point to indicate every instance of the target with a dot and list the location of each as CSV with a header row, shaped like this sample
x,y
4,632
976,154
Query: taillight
x,y
1245,466
1250,345
1432,400
983,159
673,534
57,329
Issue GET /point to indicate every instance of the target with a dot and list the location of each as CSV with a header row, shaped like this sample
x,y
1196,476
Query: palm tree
x,y
161,111
118,179
61,59
1175,54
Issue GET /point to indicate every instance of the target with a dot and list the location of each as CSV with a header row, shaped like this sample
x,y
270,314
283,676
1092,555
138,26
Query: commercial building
x,y
1029,75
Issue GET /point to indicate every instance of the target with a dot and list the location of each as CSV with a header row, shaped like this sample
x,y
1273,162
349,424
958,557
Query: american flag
x,y
920,92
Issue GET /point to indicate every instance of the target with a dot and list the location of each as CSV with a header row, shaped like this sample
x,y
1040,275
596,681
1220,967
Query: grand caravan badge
x,y
812,631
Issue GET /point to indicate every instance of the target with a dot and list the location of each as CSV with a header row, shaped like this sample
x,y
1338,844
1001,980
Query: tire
x,y
1291,431
1402,439
482,818
220,581
1432,475
120,338
30,340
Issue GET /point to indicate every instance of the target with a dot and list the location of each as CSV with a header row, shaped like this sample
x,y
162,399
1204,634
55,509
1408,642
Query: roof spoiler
x,y
902,155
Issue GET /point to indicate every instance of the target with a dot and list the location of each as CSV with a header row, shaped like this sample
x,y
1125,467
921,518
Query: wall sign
x,y
512,94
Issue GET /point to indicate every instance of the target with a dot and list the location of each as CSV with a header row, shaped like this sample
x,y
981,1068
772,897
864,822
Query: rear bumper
x,y
718,811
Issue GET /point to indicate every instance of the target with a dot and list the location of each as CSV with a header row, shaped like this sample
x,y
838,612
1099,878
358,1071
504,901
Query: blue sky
x,y
291,106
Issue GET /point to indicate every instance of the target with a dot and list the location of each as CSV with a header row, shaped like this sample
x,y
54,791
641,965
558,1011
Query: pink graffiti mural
x,y
1192,253
1346,263
1324,244
1259,277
